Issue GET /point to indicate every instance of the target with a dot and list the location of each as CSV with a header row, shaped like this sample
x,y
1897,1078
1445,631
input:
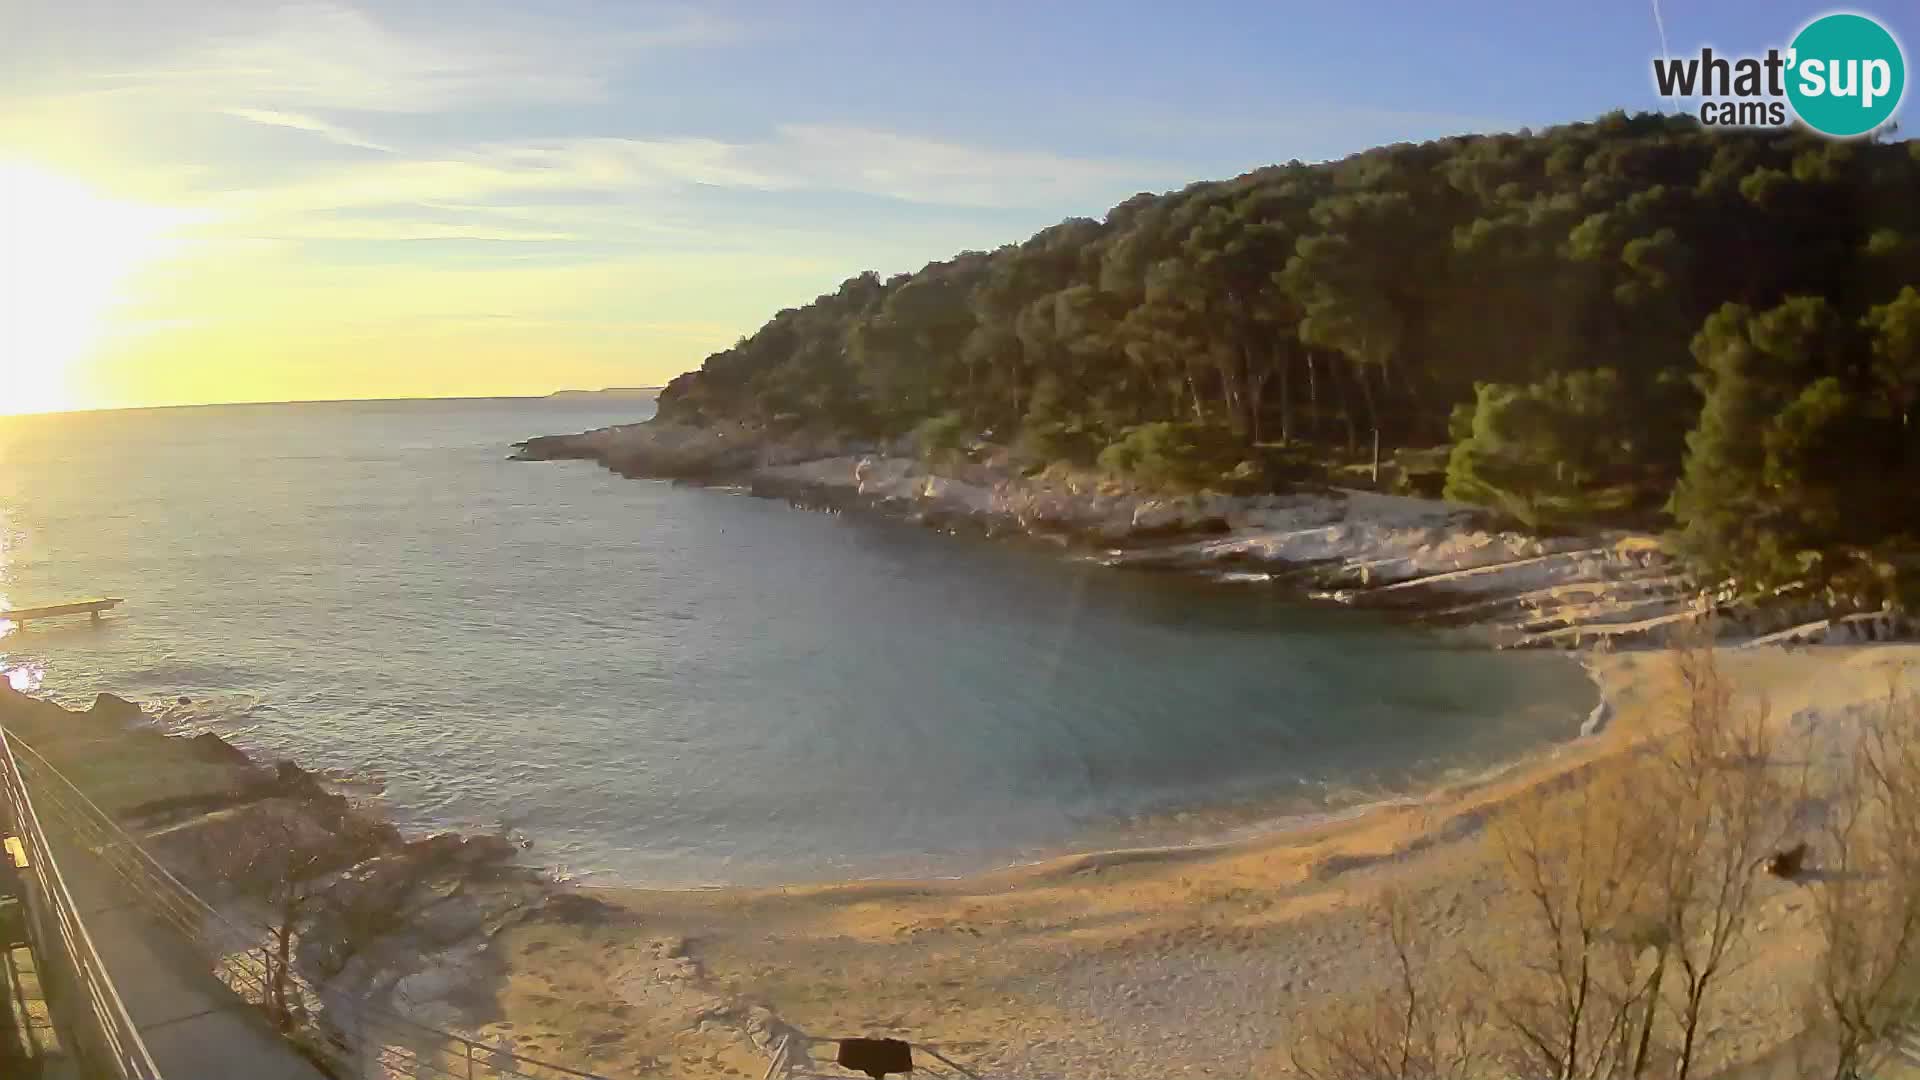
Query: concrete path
x,y
194,1026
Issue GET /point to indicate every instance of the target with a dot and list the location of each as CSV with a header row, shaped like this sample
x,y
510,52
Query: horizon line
x,y
5,416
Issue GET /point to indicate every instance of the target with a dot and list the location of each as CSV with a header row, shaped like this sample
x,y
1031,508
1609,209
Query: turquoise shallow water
x,y
670,685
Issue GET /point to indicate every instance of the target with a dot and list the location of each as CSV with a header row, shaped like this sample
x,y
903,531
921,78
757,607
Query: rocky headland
x,y
1442,563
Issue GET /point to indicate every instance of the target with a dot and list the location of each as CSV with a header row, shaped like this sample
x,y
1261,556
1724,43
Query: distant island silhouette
x,y
611,391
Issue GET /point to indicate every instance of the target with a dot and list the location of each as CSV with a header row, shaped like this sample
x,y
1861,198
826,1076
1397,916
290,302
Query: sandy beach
x,y
1125,964
1195,960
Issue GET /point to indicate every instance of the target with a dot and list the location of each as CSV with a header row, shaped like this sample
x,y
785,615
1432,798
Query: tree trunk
x,y
1646,1021
1233,381
1846,1067
1250,387
1570,1063
1256,394
973,399
1346,413
1282,361
1313,396
1366,391
1695,994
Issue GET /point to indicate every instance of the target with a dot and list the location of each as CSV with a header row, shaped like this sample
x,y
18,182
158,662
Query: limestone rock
x,y
115,709
212,747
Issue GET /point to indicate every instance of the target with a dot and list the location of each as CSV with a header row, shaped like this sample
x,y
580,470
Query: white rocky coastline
x,y
1444,563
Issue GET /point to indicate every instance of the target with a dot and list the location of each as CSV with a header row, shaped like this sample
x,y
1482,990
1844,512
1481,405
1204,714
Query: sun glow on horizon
x,y
65,256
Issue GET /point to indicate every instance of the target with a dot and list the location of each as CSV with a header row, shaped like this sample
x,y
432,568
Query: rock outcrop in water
x,y
387,916
411,926
114,709
1438,562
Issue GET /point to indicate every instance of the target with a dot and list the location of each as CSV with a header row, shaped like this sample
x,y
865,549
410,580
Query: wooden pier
x,y
77,607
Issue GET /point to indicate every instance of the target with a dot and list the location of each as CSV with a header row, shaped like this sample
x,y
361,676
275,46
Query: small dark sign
x,y
876,1057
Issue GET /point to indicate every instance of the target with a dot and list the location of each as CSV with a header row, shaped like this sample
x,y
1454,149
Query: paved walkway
x,y
194,1026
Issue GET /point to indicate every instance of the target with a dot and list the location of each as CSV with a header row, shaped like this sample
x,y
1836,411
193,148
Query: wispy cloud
x,y
302,122
378,180
795,158
382,229
322,55
364,78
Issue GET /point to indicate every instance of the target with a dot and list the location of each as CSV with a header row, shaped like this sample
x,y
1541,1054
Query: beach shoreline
x,y
1106,962
1261,828
1190,829
1103,962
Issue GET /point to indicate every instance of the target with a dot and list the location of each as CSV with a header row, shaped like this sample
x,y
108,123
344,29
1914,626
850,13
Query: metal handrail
x,y
346,1031
51,908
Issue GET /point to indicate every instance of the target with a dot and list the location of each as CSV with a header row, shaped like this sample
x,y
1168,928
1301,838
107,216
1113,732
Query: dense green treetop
x,y
1637,316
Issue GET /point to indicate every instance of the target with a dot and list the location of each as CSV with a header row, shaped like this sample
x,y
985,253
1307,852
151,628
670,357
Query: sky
x,y
207,201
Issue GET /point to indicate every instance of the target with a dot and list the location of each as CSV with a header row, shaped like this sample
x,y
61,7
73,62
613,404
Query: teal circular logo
x,y
1845,75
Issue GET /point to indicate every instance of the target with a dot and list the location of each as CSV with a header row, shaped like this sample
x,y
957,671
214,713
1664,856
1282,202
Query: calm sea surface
x,y
661,684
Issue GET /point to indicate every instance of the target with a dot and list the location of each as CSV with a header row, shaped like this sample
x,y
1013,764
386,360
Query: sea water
x,y
672,685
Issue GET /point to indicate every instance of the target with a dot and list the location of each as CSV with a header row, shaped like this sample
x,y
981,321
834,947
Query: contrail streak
x,y
1660,24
